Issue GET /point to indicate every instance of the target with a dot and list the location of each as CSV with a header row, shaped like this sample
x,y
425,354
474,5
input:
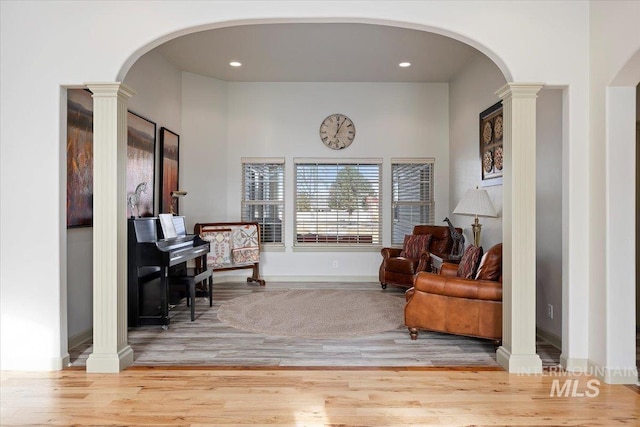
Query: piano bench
x,y
191,277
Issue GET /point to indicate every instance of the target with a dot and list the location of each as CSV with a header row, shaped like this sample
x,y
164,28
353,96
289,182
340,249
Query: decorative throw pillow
x,y
469,262
490,267
415,244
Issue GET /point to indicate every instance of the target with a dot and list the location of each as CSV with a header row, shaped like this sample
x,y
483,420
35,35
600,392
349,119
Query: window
x,y
263,196
411,196
337,202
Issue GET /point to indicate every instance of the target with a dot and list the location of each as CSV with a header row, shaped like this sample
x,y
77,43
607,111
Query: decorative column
x,y
518,350
111,352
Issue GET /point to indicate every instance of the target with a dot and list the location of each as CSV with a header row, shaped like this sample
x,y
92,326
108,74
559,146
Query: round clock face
x,y
337,131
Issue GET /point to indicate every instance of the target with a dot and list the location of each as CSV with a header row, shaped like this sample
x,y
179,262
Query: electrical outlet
x,y
335,263
550,311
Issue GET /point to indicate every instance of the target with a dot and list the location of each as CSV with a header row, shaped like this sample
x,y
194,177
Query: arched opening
x,y
450,201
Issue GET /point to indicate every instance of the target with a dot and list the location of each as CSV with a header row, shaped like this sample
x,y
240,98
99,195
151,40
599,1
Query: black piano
x,y
151,260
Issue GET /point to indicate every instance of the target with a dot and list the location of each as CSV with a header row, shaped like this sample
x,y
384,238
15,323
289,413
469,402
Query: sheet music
x,y
168,228
179,224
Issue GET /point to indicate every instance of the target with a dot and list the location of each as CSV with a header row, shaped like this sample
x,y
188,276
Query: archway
x,y
523,95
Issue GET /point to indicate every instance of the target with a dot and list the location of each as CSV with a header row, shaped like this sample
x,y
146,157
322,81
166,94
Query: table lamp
x,y
476,202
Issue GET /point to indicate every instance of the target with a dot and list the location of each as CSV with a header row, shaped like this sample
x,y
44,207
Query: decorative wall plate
x,y
487,133
491,149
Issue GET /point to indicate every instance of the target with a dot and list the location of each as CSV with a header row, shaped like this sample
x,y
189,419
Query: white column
x,y
619,366
518,350
111,353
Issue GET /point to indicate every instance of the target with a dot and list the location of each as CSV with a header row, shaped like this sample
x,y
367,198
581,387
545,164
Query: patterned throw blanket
x,y
231,245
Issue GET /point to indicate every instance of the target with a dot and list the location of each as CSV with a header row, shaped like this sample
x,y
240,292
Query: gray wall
x,y
549,211
637,206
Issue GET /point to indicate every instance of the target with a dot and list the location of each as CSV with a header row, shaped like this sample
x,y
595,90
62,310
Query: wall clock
x,y
337,131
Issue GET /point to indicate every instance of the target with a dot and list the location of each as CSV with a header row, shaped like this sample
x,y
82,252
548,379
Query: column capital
x,y
519,90
110,89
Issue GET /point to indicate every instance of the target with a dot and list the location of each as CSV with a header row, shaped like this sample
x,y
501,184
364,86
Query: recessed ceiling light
x,y
235,64
404,64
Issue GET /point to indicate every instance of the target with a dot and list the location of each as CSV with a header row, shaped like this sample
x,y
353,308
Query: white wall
x,y
37,36
614,61
472,91
549,211
283,120
203,149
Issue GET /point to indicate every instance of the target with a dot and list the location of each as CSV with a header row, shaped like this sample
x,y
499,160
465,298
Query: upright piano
x,y
150,259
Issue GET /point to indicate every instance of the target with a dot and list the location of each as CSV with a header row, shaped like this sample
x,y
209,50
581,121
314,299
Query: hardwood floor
x,y
209,374
209,342
358,397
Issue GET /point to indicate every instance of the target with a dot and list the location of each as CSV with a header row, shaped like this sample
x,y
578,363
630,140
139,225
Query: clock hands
x,y
338,141
339,126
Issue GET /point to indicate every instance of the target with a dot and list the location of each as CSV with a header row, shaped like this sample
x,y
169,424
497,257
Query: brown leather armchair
x,y
447,303
400,271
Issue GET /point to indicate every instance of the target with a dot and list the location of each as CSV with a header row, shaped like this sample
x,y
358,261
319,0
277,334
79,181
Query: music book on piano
x,y
168,228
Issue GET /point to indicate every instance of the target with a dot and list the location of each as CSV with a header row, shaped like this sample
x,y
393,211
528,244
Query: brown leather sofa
x,y
400,271
447,303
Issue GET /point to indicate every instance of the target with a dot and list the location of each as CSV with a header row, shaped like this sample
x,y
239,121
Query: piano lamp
x,y
176,195
476,202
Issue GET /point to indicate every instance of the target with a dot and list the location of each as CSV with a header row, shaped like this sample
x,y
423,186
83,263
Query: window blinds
x,y
412,198
337,202
263,197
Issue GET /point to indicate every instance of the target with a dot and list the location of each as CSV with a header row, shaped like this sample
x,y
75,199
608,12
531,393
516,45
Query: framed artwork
x,y
491,148
141,149
170,155
79,158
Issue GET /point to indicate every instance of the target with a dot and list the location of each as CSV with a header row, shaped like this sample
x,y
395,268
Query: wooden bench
x,y
189,278
234,245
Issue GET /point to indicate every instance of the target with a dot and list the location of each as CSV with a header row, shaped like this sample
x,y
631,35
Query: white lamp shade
x,y
476,202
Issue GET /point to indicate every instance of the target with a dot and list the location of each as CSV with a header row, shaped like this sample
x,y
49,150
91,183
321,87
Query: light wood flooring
x,y
209,342
351,397
236,378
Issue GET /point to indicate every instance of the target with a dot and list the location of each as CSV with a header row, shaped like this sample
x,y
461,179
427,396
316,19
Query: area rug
x,y
312,313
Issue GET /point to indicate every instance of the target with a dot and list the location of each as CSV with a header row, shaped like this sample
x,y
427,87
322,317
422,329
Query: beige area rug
x,y
323,313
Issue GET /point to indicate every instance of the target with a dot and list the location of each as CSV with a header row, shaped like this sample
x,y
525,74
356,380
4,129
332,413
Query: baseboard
x,y
627,375
80,337
332,279
32,364
299,279
528,364
572,364
549,337
110,362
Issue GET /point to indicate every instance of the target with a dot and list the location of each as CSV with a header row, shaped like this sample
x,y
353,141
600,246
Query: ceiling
x,y
314,52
